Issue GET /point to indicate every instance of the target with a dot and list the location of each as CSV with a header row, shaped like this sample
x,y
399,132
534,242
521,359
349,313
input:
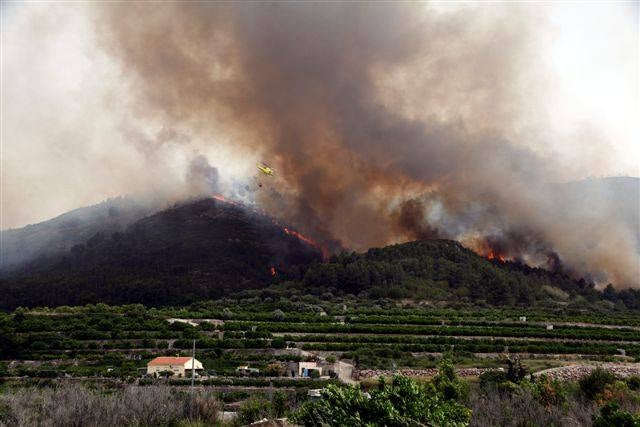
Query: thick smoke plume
x,y
385,122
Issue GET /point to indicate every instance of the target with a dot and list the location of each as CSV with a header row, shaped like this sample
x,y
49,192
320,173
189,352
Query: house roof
x,y
169,361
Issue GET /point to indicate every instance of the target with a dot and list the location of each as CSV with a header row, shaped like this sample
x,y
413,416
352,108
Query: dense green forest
x,y
441,269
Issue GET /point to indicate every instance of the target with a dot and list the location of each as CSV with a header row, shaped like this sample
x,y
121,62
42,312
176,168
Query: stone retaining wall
x,y
361,374
576,372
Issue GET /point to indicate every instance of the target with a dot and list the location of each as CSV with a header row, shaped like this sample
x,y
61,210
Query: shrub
x,y
547,392
633,383
448,384
43,373
403,402
612,415
595,383
202,408
492,379
79,406
275,369
521,408
280,404
278,343
4,370
165,374
517,371
254,409
6,414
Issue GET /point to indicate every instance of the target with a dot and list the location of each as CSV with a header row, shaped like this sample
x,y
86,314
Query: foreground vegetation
x,y
507,397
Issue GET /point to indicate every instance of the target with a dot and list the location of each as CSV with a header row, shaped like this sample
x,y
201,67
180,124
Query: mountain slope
x,y
619,196
443,270
209,248
200,249
60,234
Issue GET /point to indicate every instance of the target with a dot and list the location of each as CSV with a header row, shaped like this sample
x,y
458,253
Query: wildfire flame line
x,y
324,251
493,256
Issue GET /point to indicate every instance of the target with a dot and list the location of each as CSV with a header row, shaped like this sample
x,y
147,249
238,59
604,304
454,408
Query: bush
x,y
633,383
6,414
448,384
492,379
521,408
275,369
202,408
278,315
43,373
517,371
547,392
612,415
79,406
278,343
280,404
254,409
596,382
403,402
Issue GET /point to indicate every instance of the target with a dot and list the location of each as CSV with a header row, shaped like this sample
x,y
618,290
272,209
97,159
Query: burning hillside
x,y
370,123
493,256
365,127
307,240
215,244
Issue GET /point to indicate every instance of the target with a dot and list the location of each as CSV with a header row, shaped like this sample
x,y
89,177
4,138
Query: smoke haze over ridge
x,y
385,123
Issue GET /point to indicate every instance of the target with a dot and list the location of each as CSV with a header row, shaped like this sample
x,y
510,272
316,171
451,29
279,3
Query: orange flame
x,y
307,240
493,256
272,270
221,198
324,251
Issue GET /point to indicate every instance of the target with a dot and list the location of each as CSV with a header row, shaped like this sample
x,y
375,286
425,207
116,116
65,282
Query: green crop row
x,y
494,330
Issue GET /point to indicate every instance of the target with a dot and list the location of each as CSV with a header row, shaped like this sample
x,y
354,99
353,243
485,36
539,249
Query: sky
x,y
72,135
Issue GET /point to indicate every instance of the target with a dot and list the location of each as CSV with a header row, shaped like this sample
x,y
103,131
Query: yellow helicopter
x,y
266,169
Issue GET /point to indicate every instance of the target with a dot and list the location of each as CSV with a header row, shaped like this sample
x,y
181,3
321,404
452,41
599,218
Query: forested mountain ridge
x,y
445,270
60,234
209,248
200,249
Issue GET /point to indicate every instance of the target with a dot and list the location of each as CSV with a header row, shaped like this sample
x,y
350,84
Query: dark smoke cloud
x,y
386,122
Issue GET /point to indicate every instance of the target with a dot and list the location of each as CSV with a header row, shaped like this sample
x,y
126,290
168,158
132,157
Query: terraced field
x,y
109,346
117,342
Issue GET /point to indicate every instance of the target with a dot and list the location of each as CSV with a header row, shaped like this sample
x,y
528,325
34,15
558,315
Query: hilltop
x,y
445,271
60,234
199,249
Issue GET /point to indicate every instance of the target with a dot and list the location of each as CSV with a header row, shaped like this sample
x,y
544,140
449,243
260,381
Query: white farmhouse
x,y
180,366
